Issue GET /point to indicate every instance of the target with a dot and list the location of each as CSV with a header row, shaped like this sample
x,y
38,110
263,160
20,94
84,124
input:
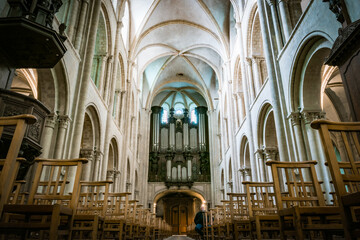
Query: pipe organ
x,y
179,147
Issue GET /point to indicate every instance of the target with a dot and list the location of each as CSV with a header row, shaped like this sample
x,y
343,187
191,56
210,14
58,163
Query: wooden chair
x,y
50,206
239,215
262,209
10,165
90,212
344,166
116,216
299,197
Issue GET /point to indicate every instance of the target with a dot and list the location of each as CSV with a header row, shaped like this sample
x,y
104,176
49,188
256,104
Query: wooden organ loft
x,y
179,146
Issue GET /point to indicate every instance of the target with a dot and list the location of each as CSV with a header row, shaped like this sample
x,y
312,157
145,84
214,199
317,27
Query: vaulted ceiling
x,y
179,46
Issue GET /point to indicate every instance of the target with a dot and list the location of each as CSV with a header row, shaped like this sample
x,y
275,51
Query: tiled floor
x,y
178,237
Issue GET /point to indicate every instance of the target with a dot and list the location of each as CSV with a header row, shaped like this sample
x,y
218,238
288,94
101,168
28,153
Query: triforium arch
x,y
266,141
244,162
90,143
113,171
255,58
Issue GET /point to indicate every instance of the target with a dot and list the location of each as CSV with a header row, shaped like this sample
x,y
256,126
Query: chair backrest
x,y
342,150
51,178
296,184
93,198
260,198
238,206
9,167
117,206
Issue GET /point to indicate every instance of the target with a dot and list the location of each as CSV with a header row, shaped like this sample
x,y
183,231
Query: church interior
x,y
125,119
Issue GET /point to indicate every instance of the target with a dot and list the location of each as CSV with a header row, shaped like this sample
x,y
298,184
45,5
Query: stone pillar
x,y
261,167
89,154
73,17
275,22
102,63
250,79
80,28
257,73
155,128
296,124
242,179
285,18
172,121
270,154
202,111
241,104
316,149
106,90
116,181
247,173
46,139
96,174
60,140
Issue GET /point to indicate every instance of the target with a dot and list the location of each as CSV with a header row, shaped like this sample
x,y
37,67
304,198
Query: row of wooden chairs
x,y
294,205
60,206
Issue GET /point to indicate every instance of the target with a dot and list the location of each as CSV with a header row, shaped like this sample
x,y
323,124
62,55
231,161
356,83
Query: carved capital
x,y
295,118
310,116
63,121
248,61
271,2
50,120
259,153
87,153
270,153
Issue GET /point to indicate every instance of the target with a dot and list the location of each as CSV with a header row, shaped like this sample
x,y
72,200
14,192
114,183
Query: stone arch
x,y
244,152
90,142
113,164
101,51
256,65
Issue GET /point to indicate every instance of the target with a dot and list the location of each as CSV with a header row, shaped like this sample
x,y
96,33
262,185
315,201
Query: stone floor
x,y
179,237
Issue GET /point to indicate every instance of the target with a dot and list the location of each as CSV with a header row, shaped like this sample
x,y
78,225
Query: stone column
x,y
275,22
102,63
85,82
285,18
80,28
73,17
247,174
261,167
63,122
296,124
257,73
241,104
202,127
46,139
89,154
96,174
107,89
242,179
316,149
155,128
270,154
250,79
